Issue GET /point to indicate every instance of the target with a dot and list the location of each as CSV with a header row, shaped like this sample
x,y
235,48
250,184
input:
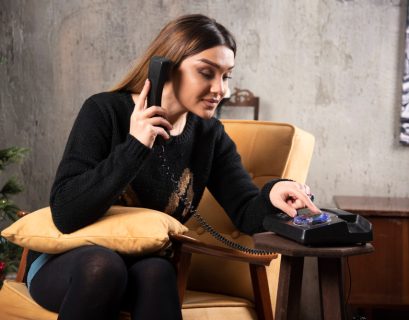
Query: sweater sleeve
x,y
92,174
233,188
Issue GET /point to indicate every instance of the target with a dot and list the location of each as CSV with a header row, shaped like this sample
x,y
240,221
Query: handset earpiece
x,y
159,73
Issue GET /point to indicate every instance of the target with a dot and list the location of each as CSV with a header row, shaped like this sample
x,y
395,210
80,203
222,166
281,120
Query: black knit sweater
x,y
104,165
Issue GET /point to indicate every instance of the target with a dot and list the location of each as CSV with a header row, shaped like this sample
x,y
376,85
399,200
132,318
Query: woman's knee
x,y
79,275
152,280
153,270
97,264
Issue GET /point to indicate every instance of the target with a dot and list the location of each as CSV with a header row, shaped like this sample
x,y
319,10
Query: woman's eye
x,y
207,74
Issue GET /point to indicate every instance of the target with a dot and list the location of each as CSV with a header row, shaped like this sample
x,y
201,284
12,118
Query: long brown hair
x,y
179,39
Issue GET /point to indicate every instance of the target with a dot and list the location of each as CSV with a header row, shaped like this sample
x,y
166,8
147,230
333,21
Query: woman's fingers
x,y
286,208
148,123
306,189
155,116
141,101
161,122
290,196
160,131
153,112
296,204
306,201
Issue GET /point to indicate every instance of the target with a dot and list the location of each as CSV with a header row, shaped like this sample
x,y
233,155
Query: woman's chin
x,y
205,114
208,115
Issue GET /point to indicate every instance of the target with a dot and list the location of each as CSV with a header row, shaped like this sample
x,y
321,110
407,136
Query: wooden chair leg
x,y
261,292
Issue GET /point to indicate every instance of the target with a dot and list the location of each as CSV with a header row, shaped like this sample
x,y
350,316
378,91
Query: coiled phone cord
x,y
232,244
202,222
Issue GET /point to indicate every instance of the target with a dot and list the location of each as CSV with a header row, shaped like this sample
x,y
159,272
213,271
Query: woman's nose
x,y
218,87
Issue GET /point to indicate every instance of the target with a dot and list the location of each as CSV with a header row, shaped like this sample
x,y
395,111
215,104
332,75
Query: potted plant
x,y
9,253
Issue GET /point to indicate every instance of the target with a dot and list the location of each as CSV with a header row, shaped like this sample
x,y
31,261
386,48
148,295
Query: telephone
x,y
331,227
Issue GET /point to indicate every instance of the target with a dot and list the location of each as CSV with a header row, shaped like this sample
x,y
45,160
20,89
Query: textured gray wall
x,y
331,67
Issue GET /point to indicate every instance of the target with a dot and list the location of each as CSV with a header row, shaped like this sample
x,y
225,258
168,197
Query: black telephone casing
x,y
158,74
342,229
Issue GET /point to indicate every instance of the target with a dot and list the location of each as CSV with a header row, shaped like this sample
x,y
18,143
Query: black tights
x,y
96,283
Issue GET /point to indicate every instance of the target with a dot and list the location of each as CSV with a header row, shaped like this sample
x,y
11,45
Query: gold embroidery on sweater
x,y
130,198
184,191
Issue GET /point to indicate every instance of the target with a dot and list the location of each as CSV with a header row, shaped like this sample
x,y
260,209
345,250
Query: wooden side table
x,y
330,260
381,280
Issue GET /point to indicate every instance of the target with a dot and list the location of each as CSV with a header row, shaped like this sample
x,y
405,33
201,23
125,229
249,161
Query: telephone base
x,y
342,228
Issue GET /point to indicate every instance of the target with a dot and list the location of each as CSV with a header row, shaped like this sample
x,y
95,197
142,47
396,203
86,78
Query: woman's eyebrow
x,y
214,64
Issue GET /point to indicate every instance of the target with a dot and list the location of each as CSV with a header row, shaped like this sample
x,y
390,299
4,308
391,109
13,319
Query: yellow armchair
x,y
219,286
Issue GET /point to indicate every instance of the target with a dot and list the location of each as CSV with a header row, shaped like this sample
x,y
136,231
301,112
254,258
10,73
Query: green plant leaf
x,y
11,155
12,187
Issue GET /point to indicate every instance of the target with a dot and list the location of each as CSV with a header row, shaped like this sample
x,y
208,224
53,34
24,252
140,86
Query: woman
x,y
113,155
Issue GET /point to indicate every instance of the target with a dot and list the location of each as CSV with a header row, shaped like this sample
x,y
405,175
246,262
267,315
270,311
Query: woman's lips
x,y
211,103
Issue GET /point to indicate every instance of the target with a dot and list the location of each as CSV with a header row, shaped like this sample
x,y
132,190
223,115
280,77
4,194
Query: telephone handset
x,y
159,72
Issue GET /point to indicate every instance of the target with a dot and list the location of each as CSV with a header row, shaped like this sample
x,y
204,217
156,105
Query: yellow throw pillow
x,y
124,229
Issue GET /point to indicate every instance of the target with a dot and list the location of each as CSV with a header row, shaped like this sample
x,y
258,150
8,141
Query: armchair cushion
x,y
17,304
124,229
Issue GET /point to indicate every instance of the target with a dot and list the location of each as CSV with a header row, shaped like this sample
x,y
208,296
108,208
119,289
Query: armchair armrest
x,y
191,245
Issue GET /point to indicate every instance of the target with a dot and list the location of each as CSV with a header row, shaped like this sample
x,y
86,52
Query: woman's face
x,y
201,81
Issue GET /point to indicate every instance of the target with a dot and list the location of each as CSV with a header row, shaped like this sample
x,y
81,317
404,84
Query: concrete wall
x,y
331,67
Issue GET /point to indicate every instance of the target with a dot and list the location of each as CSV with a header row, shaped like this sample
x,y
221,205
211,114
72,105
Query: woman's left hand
x,y
289,196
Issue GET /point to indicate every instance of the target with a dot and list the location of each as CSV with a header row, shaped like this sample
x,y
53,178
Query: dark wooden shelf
x,y
374,206
381,279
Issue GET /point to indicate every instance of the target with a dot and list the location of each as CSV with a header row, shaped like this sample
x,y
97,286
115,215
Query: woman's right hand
x,y
148,123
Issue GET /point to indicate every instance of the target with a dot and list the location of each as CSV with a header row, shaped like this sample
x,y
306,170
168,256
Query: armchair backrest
x,y
268,150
